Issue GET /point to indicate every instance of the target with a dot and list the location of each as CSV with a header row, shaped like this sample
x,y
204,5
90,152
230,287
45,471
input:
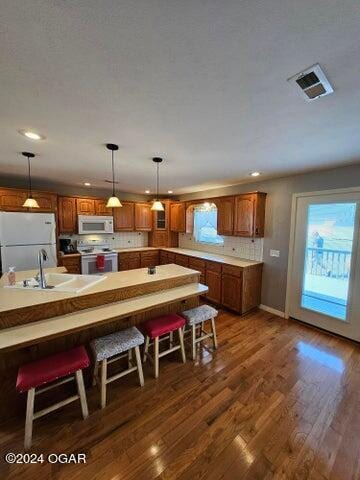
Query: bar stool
x,y
107,349
158,327
197,317
34,374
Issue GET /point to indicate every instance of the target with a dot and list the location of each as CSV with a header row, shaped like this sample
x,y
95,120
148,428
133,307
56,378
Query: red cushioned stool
x,y
34,374
160,327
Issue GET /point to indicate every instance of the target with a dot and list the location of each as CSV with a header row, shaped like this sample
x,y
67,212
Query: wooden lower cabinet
x,y
182,260
213,282
72,263
199,265
129,261
163,257
149,259
231,292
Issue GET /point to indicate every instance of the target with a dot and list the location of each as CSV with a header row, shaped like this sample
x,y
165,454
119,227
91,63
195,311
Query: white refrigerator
x,y
22,235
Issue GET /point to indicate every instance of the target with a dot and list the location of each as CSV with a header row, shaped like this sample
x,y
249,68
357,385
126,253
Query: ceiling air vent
x,y
312,83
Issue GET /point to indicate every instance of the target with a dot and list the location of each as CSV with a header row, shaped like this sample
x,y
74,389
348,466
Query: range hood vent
x,y
312,83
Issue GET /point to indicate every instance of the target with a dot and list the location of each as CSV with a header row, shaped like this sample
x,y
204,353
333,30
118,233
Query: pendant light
x,y
30,202
157,205
113,201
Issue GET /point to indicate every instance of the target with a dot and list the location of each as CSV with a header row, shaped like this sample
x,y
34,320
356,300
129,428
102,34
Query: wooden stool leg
x,y
95,374
103,382
29,418
182,347
130,358
82,394
171,339
146,348
139,366
214,332
156,356
193,344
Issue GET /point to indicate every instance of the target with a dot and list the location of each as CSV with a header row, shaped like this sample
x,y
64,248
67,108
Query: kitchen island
x,y
37,323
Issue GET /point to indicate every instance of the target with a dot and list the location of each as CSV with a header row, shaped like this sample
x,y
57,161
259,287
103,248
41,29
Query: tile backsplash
x,y
249,248
116,240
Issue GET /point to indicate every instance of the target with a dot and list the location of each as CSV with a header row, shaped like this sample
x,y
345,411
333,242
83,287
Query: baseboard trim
x,y
279,313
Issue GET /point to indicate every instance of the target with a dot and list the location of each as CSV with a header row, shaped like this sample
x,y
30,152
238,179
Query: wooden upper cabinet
x,y
47,202
100,208
225,215
12,200
124,217
249,215
67,215
143,217
85,206
177,217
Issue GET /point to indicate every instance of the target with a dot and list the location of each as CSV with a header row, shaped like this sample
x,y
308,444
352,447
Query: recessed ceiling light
x,y
170,191
87,184
32,135
255,174
147,191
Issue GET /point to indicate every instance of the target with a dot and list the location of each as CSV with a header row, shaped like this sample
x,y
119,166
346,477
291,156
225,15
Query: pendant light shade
x,y
113,201
157,206
30,202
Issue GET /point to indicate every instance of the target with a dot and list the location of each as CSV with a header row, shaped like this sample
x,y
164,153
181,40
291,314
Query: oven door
x,y
88,264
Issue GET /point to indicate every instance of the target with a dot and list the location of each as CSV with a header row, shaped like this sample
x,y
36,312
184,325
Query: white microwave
x,y
89,224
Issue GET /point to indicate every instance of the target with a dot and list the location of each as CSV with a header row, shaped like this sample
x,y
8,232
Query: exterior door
x,y
324,265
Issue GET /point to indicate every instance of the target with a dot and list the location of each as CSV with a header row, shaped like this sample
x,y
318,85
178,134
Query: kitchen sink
x,y
61,282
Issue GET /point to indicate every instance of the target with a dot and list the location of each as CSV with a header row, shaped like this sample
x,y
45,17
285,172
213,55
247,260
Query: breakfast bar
x,y
35,323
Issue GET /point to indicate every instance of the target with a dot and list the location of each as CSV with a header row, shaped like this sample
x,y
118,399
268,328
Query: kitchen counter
x,y
214,257
19,306
135,249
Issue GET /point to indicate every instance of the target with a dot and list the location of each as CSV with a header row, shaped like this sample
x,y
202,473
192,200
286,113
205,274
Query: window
x,y
205,224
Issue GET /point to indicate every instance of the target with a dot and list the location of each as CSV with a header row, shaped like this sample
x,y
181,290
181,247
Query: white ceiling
x,y
201,83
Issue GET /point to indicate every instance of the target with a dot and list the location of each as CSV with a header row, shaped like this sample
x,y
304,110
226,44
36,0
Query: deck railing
x,y
328,263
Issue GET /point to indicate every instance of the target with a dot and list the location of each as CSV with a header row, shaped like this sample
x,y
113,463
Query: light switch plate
x,y
274,253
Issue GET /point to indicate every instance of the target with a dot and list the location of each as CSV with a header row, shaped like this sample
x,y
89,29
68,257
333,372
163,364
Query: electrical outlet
x,y
274,253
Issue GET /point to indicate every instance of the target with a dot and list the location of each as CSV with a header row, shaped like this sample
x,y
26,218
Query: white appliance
x,y
22,235
90,250
95,224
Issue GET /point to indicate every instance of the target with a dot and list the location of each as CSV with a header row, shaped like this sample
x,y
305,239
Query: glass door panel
x,y
327,262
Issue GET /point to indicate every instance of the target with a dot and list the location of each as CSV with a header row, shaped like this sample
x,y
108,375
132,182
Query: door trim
x,y
295,197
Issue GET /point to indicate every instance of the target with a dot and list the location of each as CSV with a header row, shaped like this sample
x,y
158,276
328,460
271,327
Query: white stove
x,y
92,252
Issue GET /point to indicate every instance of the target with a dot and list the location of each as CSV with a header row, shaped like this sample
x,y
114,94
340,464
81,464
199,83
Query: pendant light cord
x,y
113,171
29,170
157,181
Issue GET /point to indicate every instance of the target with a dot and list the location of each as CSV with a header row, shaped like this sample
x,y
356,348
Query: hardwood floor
x,y
277,400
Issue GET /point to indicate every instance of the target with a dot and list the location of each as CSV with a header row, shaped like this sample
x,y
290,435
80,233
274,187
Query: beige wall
x,y
278,214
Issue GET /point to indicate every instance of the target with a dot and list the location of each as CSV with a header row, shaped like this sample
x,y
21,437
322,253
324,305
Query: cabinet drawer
x,y
232,270
213,267
197,264
129,256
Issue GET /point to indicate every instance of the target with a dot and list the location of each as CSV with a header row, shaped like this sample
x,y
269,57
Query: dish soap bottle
x,y
11,276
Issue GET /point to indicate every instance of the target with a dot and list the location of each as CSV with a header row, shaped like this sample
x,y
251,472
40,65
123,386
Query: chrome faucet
x,y
42,256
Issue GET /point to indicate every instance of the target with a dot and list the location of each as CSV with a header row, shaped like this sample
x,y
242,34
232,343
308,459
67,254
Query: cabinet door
x,y
149,259
164,258
128,261
12,200
213,282
244,215
72,264
199,265
231,292
47,202
124,217
177,217
67,215
85,206
100,207
182,260
143,217
225,216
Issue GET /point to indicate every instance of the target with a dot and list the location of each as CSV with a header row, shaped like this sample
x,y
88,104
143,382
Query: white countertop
x,y
227,259
11,299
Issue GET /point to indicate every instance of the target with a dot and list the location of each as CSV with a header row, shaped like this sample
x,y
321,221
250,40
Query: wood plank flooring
x,y
277,400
